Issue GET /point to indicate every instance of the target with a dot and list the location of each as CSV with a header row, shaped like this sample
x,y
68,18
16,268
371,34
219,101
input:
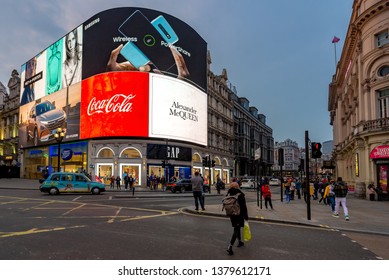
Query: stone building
x,y
9,127
359,99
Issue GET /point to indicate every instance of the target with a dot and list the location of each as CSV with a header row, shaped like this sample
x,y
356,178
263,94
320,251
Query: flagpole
x,y
335,40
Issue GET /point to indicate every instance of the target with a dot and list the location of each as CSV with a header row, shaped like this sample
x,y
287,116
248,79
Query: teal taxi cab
x,y
67,182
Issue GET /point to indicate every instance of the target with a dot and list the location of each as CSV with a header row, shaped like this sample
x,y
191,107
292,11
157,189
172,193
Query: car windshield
x,y
44,107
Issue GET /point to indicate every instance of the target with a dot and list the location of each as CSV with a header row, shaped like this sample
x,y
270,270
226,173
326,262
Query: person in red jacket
x,y
266,193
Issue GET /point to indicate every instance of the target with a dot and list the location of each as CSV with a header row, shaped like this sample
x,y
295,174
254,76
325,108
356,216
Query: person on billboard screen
x,y
28,94
72,64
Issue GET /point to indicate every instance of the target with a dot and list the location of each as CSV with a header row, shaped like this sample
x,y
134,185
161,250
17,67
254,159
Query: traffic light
x,y
205,161
163,163
213,163
280,156
301,166
316,152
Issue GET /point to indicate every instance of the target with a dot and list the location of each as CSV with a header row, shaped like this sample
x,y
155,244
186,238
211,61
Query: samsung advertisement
x,y
124,72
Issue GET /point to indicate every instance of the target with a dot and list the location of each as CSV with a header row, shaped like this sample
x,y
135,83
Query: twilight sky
x,y
278,53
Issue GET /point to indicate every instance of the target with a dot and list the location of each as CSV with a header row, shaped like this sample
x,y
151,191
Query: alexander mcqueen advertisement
x,y
123,72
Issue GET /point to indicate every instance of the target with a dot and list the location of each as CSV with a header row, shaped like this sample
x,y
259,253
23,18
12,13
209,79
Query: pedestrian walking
x,y
118,179
219,184
287,192
379,192
340,190
371,192
298,189
292,189
330,195
197,187
237,221
266,193
112,185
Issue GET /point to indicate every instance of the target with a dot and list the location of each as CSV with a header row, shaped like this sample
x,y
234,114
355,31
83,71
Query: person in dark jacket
x,y
237,221
340,190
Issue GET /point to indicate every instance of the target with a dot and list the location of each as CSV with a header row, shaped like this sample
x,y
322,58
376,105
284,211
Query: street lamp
x,y
59,135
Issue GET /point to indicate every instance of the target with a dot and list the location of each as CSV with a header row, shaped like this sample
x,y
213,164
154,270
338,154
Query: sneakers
x,y
347,218
240,244
229,250
335,215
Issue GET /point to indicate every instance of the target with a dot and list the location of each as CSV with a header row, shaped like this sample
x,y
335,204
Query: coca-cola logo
x,y
117,103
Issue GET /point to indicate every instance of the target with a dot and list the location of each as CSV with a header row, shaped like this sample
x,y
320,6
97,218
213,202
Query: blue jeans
x,y
198,196
331,200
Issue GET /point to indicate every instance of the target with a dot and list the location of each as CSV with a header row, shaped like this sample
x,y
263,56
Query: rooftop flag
x,y
335,39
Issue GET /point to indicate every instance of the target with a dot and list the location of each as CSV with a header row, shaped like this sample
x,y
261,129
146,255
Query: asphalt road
x,y
36,226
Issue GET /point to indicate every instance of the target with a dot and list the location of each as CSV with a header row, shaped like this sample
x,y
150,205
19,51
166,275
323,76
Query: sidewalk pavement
x,y
365,216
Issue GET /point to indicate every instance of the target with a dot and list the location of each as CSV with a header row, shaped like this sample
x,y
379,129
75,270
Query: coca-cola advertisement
x,y
115,104
124,72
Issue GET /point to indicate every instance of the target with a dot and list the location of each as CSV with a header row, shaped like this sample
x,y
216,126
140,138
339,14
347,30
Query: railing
x,y
378,125
375,125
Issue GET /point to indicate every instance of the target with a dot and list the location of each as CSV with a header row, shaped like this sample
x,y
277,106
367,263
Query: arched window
x,y
105,153
130,153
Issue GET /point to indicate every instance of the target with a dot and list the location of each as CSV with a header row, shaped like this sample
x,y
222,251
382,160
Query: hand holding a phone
x,y
182,70
113,65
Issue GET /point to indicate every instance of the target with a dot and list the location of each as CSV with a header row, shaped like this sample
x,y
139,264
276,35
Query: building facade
x,y
359,99
291,159
253,140
167,129
9,128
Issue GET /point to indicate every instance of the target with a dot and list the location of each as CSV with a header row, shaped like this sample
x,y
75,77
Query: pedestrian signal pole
x,y
307,183
281,163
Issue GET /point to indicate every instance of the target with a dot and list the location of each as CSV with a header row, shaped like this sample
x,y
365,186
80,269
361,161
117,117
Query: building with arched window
x,y
359,99
112,120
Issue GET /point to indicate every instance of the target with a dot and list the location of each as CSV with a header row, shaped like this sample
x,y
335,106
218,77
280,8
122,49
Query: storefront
x,y
72,157
380,156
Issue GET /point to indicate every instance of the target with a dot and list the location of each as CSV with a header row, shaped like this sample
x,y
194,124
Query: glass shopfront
x,y
72,157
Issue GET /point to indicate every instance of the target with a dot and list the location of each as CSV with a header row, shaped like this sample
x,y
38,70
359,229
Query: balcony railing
x,y
376,125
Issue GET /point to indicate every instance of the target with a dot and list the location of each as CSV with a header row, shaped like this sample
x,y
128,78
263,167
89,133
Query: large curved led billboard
x,y
124,72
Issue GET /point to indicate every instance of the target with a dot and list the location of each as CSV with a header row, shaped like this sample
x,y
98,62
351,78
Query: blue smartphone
x,y
164,28
150,44
134,55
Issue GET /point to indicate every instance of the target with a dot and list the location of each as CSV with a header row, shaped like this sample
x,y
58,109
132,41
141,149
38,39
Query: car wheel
x,y
96,191
182,190
53,191
36,142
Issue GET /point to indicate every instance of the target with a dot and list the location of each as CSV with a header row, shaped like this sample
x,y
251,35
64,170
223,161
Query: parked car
x,y
183,185
43,119
274,182
68,182
248,184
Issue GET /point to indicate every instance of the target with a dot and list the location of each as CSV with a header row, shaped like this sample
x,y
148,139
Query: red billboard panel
x,y
115,104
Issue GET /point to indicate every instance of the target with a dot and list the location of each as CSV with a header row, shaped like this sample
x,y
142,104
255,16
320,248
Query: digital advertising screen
x,y
127,72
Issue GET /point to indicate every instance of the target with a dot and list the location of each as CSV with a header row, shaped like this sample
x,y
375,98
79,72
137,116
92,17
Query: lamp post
x,y
59,135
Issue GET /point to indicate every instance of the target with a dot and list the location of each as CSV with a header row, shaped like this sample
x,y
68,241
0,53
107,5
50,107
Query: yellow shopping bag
x,y
246,232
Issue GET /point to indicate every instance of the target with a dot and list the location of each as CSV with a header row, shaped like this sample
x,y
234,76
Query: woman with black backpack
x,y
237,221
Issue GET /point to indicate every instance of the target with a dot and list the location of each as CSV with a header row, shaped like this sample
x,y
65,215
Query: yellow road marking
x,y
113,218
35,230
73,209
